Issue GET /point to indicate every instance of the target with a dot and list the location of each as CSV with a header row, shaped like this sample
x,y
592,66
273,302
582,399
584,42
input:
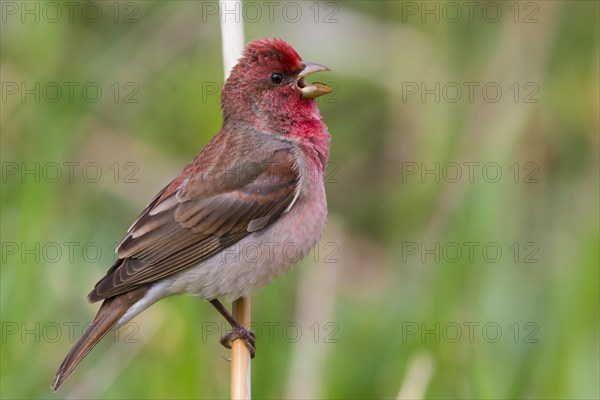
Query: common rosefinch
x,y
257,184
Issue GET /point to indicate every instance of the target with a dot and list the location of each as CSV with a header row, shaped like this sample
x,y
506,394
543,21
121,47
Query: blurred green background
x,y
460,258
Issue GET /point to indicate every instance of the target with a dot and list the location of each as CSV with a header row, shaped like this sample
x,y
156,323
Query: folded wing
x,y
212,208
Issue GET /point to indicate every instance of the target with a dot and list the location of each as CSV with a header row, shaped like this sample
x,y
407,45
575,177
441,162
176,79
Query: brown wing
x,y
196,217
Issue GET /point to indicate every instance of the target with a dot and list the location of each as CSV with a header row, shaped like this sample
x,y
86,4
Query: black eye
x,y
276,78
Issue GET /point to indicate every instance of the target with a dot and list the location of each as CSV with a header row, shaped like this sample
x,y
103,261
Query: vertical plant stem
x,y
232,33
240,356
232,37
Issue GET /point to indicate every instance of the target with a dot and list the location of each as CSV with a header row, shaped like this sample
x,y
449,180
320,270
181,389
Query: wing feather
x,y
195,218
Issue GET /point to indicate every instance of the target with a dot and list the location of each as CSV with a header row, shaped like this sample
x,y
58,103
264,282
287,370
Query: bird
x,y
257,185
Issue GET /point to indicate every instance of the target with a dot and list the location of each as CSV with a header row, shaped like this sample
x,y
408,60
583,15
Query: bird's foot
x,y
245,335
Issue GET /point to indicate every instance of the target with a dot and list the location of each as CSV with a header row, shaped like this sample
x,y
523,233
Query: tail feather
x,y
110,313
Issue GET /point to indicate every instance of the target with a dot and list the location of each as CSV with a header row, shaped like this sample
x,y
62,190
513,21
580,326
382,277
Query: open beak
x,y
315,89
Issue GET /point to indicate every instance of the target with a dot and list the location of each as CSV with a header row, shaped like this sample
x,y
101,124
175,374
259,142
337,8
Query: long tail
x,y
110,313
